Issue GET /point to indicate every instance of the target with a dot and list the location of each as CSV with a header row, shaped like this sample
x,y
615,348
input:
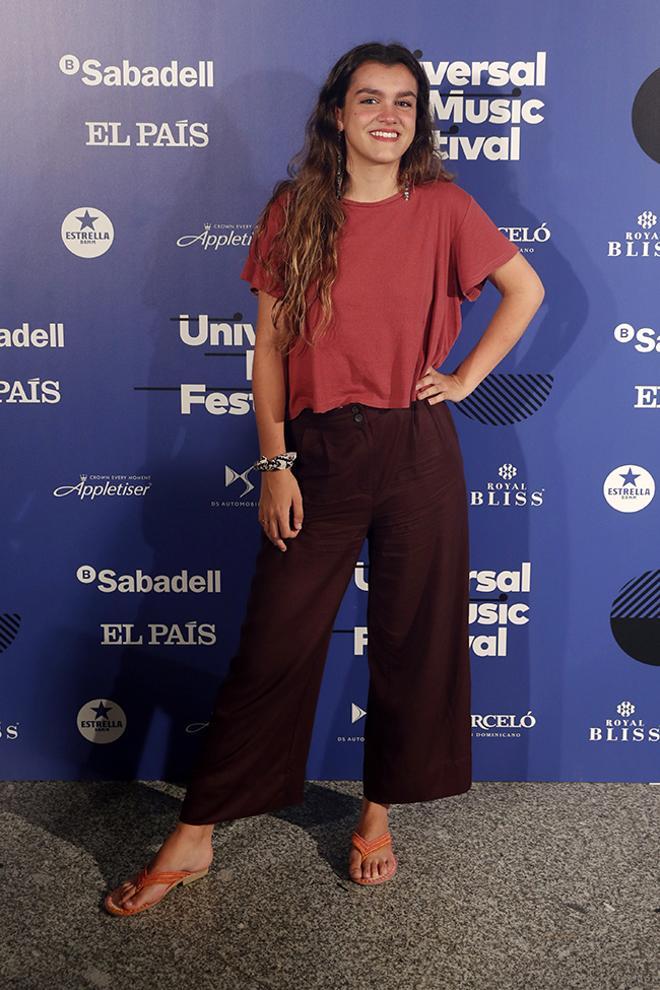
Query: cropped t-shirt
x,y
404,268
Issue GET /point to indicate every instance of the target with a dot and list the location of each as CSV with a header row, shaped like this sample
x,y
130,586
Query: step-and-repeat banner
x,y
139,142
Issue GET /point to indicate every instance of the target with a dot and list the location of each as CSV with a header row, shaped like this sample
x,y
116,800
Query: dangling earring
x,y
406,189
339,172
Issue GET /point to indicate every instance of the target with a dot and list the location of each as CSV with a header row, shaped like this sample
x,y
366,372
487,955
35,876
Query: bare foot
x,y
373,822
187,847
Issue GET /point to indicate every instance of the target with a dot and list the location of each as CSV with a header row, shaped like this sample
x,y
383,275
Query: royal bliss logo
x,y
507,491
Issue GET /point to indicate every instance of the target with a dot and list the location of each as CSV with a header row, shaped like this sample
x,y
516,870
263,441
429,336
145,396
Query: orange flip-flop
x,y
171,877
365,847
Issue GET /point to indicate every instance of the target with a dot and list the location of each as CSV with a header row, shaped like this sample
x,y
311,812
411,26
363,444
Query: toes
x,y
376,868
370,869
354,867
124,892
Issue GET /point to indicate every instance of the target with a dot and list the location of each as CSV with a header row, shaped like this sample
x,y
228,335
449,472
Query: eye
x,y
406,103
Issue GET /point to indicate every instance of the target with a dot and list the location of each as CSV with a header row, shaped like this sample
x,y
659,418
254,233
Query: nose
x,y
388,118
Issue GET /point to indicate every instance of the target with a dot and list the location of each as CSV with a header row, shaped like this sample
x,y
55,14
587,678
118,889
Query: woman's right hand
x,y
280,493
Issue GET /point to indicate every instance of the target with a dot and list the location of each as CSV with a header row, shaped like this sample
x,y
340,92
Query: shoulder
x,y
270,220
448,198
280,202
274,213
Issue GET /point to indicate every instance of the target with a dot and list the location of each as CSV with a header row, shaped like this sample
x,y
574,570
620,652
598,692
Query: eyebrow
x,y
379,92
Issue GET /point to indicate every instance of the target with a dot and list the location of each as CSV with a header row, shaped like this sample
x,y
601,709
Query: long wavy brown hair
x,y
303,252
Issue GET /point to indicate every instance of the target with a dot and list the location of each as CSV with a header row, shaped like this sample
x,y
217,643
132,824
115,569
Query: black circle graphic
x,y
646,116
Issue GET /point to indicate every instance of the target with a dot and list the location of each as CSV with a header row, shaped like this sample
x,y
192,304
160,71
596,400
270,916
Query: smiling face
x,y
379,113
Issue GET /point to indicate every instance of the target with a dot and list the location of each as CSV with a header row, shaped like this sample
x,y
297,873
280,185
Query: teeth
x,y
390,134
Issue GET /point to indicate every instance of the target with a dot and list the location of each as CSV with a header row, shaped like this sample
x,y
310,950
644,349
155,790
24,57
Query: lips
x,y
384,135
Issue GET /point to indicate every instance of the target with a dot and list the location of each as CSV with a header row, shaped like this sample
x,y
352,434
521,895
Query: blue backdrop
x,y
139,143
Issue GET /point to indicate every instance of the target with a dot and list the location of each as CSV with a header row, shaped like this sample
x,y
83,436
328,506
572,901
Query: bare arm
x,y
522,294
268,382
280,491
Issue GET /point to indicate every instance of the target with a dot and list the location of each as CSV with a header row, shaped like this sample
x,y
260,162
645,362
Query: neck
x,y
369,183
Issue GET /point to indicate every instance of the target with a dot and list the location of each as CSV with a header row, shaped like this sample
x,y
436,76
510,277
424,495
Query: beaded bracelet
x,y
278,463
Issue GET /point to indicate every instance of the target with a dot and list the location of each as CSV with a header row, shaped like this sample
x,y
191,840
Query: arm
x,y
522,294
280,491
268,382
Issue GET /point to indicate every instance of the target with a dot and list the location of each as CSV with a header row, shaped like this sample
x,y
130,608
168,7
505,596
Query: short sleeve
x,y
254,271
478,248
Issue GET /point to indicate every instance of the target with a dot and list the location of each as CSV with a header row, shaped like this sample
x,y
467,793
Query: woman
x,y
356,442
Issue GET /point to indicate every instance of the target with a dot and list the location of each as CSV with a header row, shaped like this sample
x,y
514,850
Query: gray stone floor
x,y
512,885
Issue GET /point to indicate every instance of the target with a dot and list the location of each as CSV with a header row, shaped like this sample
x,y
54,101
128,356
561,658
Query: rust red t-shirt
x,y
404,267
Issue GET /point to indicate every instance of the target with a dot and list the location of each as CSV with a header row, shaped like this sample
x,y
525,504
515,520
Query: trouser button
x,y
358,417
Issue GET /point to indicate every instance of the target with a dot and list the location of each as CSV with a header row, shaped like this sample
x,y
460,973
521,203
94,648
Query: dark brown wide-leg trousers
x,y
396,478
